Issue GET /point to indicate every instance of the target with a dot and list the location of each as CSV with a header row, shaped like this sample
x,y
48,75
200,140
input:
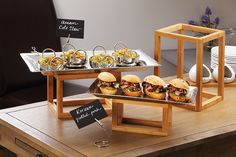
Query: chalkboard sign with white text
x,y
87,114
73,27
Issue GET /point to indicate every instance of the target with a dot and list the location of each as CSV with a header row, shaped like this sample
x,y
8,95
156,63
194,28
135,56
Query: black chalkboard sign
x,y
88,114
74,28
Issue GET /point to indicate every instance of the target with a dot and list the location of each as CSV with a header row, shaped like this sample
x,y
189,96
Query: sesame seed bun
x,y
131,78
106,77
179,83
154,80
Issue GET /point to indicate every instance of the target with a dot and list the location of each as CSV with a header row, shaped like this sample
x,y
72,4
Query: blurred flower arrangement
x,y
206,20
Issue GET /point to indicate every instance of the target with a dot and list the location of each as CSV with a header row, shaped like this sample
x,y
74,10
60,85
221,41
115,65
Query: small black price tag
x,y
87,114
73,27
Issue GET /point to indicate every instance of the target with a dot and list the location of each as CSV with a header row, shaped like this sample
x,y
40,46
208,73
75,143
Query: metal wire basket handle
x,y
120,43
99,46
66,45
50,50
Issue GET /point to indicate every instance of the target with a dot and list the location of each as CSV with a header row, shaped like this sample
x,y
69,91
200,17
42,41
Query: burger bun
x,y
178,98
106,77
131,78
109,91
159,96
135,94
154,80
179,83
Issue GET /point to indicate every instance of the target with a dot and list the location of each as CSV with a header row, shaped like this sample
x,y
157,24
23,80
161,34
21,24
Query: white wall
x,y
134,21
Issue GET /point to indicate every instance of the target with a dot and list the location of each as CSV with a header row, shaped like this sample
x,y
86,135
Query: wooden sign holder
x,y
141,126
177,32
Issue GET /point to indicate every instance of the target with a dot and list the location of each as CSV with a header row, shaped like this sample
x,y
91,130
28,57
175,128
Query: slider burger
x,y
130,85
153,86
178,90
107,83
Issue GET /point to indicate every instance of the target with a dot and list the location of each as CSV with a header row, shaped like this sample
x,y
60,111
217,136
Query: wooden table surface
x,y
37,125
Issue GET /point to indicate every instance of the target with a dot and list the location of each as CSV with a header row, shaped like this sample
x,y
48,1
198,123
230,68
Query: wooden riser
x,y
141,126
177,32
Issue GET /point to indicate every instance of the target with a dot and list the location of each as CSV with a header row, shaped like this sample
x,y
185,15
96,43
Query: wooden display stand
x,y
133,125
177,32
59,105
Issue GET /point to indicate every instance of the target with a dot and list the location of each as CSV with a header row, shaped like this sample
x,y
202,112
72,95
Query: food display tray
x,y
31,59
93,89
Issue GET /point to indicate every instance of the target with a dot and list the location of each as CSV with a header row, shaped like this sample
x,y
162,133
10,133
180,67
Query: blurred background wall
x,y
134,21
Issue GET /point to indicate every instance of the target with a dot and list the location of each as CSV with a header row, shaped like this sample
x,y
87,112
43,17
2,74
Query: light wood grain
x,y
157,53
199,62
172,28
221,63
180,61
50,88
178,36
198,28
212,36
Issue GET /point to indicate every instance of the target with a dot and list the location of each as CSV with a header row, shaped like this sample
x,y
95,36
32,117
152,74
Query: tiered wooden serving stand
x,y
62,106
177,32
119,123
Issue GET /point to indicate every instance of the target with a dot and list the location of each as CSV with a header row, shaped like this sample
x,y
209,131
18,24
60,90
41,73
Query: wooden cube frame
x,y
177,32
141,126
60,103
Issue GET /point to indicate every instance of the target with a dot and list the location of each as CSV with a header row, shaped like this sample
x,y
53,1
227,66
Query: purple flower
x,y
205,19
217,20
208,11
191,22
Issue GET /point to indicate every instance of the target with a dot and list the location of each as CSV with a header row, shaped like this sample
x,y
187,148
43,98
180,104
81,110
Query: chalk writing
x,y
87,114
73,27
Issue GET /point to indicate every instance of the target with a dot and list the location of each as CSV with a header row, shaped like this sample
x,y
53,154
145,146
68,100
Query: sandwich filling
x,y
177,91
153,88
108,85
130,86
